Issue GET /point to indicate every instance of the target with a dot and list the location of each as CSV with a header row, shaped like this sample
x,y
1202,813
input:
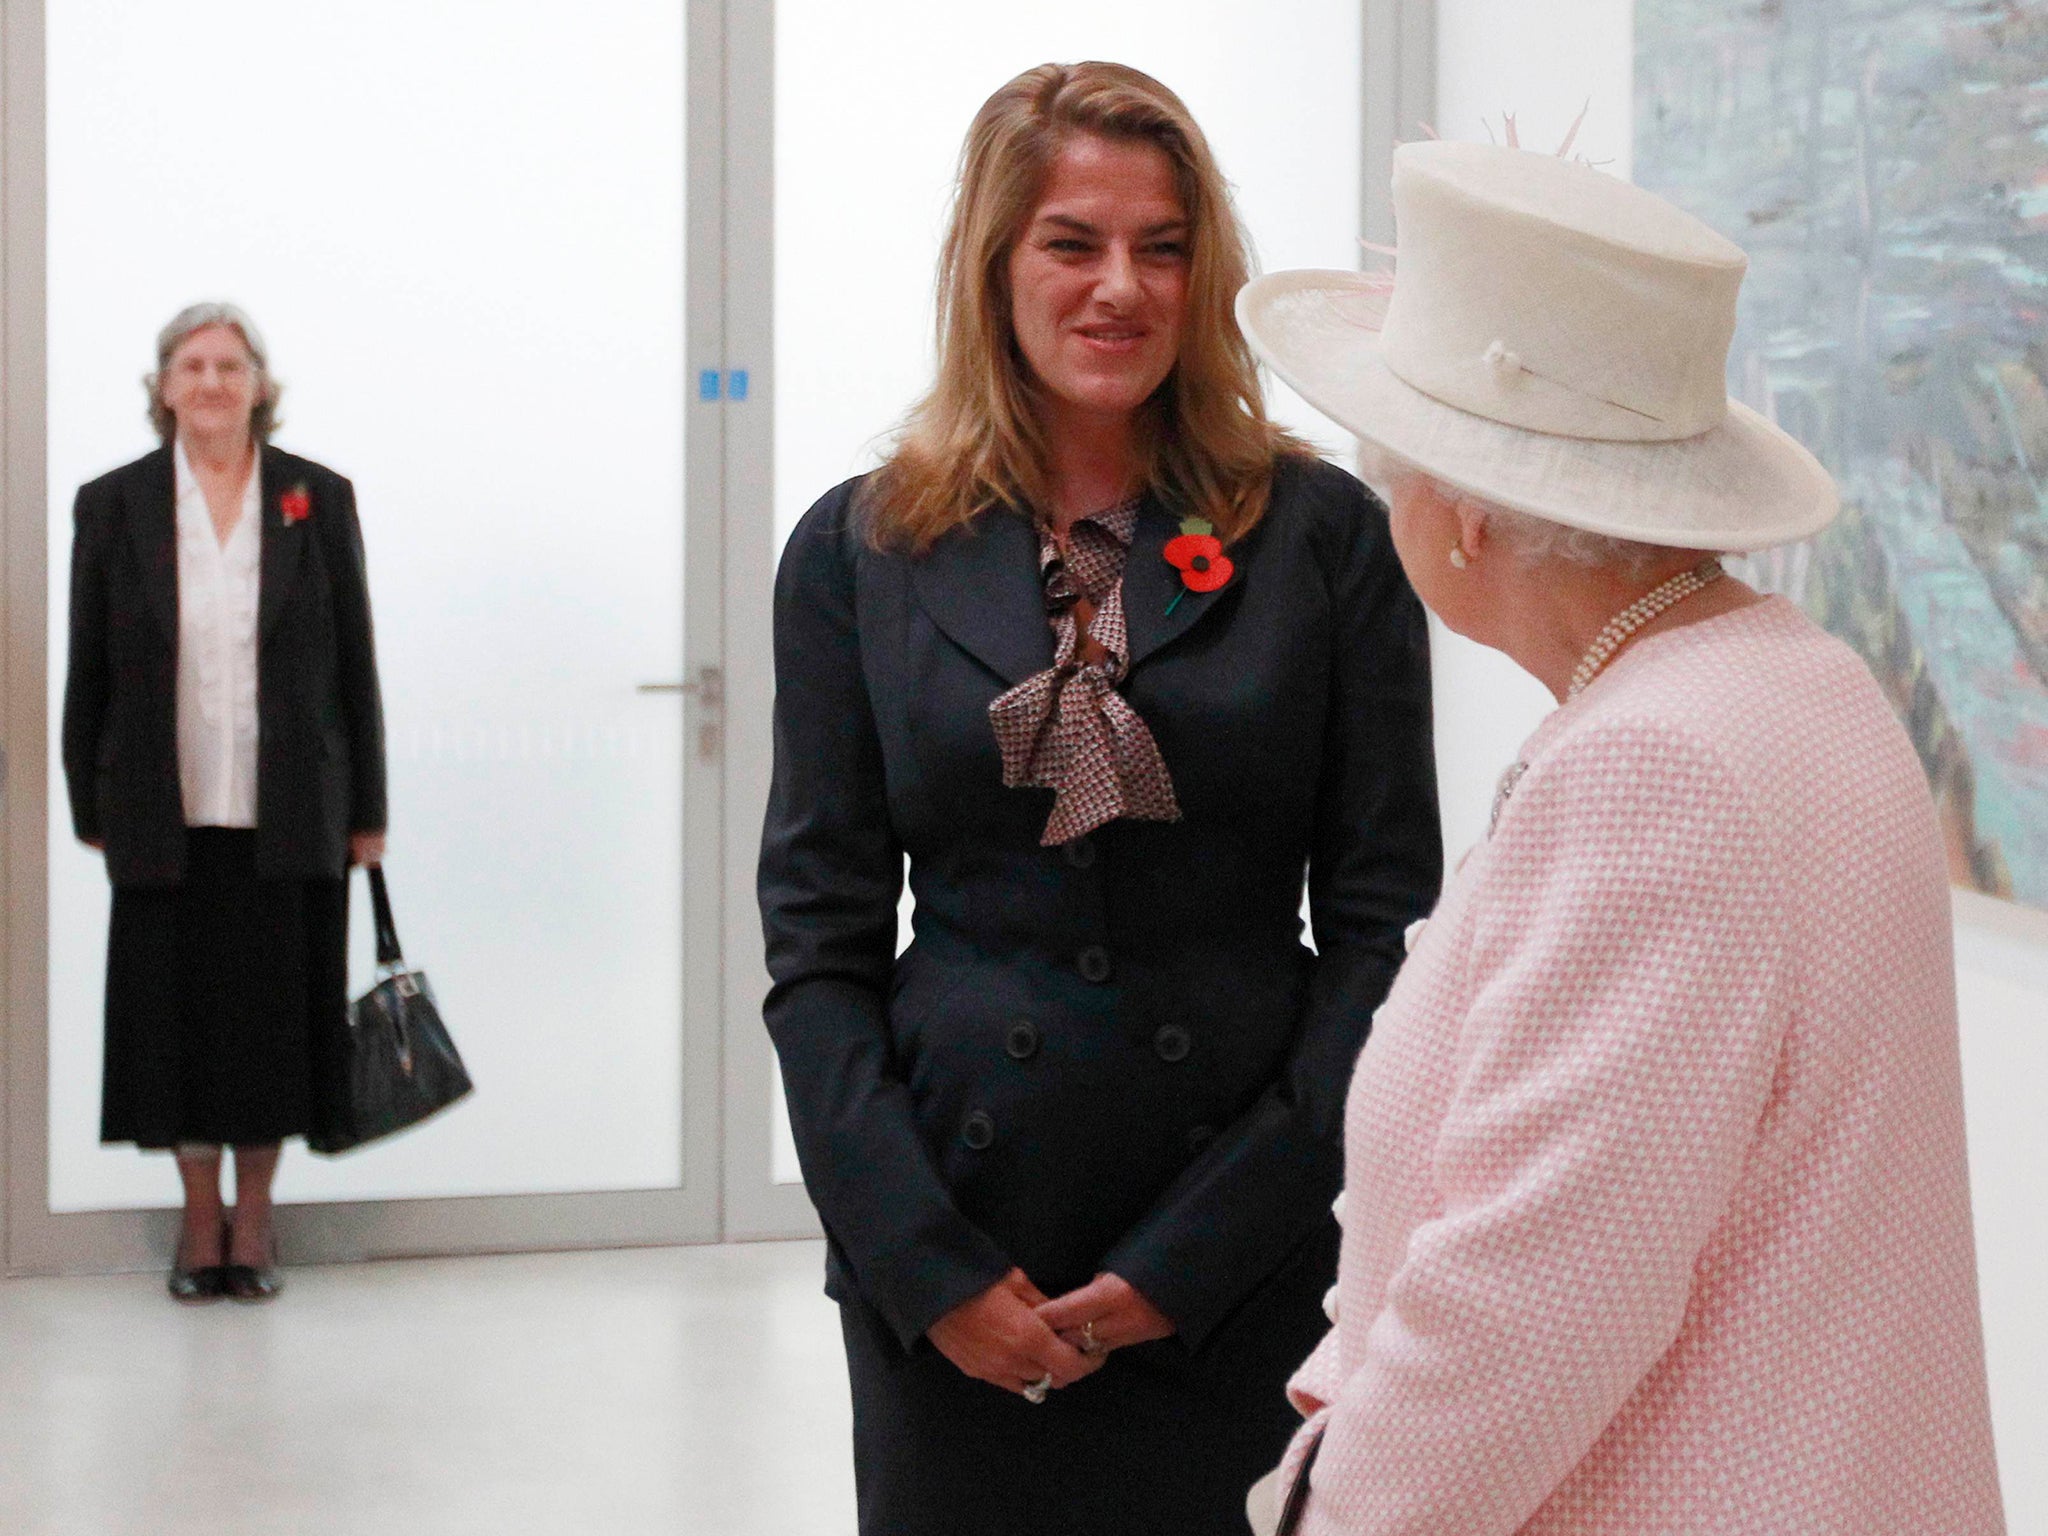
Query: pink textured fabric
x,y
1658,1215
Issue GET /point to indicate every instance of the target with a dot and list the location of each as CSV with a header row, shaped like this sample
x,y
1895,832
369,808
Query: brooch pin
x,y
296,504
1504,791
1198,555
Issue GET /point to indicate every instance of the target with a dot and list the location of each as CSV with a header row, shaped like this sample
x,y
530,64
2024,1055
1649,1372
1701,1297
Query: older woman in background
x,y
223,746
1658,1216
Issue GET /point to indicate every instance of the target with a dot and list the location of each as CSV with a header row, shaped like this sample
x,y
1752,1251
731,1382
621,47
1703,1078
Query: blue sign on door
x,y
708,384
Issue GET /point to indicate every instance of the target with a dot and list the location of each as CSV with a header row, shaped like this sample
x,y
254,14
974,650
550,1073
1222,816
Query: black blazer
x,y
320,721
1117,1054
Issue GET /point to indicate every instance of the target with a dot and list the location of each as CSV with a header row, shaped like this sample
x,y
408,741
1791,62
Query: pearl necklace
x,y
1609,640
1636,615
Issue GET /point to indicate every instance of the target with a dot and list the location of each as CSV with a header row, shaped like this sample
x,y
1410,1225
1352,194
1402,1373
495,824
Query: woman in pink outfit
x,y
1658,1212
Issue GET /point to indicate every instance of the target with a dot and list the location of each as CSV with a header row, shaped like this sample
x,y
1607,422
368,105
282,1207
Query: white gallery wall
x,y
1543,63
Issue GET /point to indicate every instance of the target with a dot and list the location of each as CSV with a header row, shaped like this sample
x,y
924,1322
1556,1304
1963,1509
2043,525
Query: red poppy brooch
x,y
296,504
1198,555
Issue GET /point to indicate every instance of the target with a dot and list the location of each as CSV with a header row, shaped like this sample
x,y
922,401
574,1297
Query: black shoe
x,y
248,1282
201,1283
254,1282
194,1287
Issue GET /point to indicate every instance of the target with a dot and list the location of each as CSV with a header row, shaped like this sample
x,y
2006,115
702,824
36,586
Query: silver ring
x,y
1090,1345
1034,1392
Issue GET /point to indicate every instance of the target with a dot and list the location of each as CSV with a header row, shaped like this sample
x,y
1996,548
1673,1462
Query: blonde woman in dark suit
x,y
224,748
1075,1149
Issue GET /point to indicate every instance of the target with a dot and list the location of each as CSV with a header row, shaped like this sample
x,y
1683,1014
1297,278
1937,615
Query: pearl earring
x,y
1458,557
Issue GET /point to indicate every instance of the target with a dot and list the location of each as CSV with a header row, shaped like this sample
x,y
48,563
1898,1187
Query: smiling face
x,y
1099,279
210,384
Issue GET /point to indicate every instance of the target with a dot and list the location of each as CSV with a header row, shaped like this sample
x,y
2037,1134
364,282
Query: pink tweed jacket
x,y
1658,1218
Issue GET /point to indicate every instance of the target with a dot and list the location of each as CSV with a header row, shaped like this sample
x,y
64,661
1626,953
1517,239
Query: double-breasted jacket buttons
x,y
978,1130
1022,1040
1080,851
1093,963
1172,1042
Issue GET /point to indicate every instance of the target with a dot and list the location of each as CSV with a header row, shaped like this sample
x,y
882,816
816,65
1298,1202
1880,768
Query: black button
x,y
978,1130
1081,851
1093,963
1200,1136
1022,1040
1171,1042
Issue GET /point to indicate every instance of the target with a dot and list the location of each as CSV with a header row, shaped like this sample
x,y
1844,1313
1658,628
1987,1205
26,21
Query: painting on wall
x,y
1885,164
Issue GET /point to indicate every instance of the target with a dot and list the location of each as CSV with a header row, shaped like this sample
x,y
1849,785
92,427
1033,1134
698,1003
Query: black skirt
x,y
1162,1441
225,995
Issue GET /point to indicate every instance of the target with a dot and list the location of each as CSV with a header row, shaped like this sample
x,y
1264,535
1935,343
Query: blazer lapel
x,y
283,546
1152,587
153,526
980,585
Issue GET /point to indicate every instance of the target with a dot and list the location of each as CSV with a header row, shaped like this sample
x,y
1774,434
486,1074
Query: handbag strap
x,y
389,954
1297,1496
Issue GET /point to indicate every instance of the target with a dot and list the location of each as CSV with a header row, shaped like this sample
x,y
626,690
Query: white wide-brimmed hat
x,y
1555,341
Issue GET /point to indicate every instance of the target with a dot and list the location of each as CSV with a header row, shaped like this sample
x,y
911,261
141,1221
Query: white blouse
x,y
217,595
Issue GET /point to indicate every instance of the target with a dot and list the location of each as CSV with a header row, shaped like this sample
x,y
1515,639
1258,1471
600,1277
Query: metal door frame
x,y
755,1205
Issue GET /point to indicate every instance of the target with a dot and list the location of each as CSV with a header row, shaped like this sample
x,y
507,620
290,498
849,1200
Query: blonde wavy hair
x,y
976,440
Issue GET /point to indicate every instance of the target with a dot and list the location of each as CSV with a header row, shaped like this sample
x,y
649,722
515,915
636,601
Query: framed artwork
x,y
1885,164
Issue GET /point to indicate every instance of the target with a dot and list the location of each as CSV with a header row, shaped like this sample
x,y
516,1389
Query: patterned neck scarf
x,y
1067,729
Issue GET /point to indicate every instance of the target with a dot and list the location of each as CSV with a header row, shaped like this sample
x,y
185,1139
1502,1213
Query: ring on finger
x,y
1091,1345
1034,1391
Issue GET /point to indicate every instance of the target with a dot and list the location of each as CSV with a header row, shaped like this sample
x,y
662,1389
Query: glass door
x,y
482,243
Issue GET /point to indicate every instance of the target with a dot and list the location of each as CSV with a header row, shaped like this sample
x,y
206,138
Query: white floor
x,y
680,1390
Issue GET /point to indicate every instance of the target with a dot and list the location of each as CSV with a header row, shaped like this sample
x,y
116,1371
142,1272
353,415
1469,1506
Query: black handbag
x,y
395,1064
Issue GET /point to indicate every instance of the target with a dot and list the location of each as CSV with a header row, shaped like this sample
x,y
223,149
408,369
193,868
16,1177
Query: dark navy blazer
x,y
319,715
1118,1054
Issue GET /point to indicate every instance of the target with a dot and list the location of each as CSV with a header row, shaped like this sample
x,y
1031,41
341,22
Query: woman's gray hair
x,y
1531,540
1537,540
188,322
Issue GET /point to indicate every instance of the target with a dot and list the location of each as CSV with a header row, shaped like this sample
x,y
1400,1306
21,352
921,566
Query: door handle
x,y
708,687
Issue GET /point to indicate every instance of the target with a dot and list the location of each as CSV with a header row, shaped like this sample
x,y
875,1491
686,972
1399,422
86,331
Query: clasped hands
x,y
1012,1335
